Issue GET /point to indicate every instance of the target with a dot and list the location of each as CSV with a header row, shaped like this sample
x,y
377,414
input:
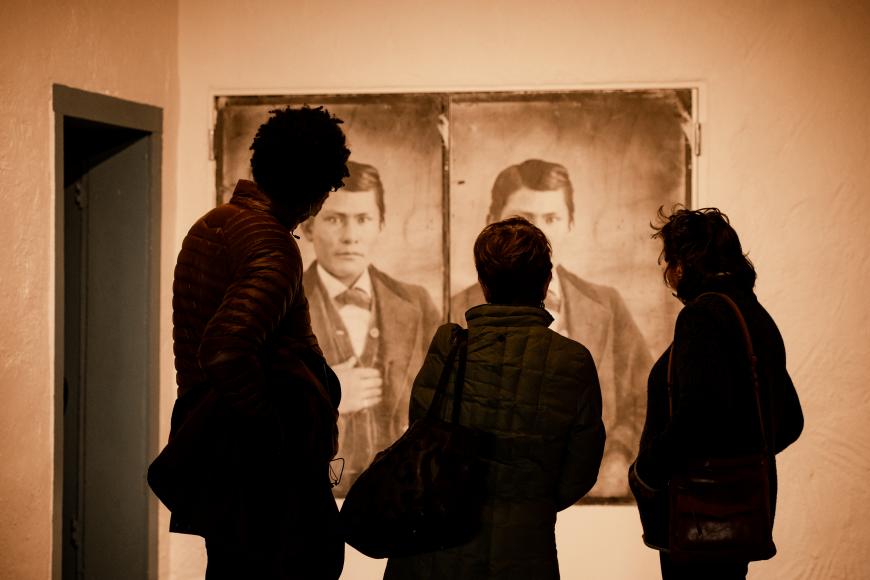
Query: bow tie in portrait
x,y
354,297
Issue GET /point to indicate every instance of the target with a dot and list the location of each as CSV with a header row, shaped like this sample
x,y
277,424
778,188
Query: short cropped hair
x,y
703,243
534,174
363,177
513,260
299,156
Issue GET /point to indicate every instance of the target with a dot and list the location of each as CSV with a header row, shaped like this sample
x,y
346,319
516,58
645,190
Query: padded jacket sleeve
x,y
266,275
586,441
701,371
427,379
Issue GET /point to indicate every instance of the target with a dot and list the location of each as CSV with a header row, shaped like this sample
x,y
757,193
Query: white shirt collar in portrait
x,y
356,320
334,286
554,291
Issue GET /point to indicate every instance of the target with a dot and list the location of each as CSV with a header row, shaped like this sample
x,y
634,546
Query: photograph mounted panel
x,y
594,165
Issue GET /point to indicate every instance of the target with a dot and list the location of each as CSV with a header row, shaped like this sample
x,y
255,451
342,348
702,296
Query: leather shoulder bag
x,y
720,506
425,491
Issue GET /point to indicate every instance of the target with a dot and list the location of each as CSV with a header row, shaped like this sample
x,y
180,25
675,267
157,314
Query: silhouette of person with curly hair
x,y
257,402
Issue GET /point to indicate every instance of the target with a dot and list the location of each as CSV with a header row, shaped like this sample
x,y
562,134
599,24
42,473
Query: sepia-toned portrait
x,y
389,256
590,169
373,256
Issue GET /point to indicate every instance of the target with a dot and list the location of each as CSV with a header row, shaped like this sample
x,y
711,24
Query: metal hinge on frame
x,y
81,196
211,144
696,142
75,533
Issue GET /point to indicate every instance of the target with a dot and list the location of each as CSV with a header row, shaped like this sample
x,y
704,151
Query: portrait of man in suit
x,y
435,156
593,314
373,329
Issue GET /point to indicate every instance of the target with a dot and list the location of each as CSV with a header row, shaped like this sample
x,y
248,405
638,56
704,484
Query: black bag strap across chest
x,y
753,364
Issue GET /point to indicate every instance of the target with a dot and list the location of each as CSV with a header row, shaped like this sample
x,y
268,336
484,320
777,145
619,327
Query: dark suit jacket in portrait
x,y
403,322
597,317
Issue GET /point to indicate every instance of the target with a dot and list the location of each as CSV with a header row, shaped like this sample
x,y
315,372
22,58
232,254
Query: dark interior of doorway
x,y
108,212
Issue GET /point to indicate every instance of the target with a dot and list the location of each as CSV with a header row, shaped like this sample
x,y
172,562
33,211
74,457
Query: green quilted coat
x,y
537,393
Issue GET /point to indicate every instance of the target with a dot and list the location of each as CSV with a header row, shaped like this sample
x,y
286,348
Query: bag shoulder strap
x,y
458,346
459,382
750,353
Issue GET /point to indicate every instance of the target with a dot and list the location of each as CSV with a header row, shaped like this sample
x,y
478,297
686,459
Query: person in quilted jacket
x,y
255,396
535,393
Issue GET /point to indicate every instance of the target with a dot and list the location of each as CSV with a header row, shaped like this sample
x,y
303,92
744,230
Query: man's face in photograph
x,y
545,209
344,232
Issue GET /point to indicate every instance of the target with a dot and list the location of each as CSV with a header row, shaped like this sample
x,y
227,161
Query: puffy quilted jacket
x,y
237,296
242,334
537,393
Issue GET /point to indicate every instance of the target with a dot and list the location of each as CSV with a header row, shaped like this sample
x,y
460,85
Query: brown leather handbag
x,y
719,507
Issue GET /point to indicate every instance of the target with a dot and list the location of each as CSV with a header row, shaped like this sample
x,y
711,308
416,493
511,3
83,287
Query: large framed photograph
x,y
428,172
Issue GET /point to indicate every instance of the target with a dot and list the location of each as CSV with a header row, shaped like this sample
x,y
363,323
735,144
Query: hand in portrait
x,y
361,386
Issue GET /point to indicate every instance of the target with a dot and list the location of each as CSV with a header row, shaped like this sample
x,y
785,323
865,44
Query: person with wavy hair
x,y
534,394
257,403
701,397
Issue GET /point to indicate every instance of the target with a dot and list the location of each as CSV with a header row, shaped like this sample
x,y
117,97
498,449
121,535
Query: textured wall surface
x,y
786,153
124,49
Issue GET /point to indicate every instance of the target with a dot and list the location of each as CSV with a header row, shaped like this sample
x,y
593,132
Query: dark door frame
x,y
70,102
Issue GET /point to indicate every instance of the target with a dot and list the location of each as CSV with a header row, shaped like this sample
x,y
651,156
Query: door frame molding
x,y
71,102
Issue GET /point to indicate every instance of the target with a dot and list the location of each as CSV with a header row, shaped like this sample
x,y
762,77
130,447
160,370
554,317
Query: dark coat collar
x,y
507,315
723,283
249,196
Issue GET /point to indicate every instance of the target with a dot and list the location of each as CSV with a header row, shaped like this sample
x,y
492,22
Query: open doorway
x,y
107,234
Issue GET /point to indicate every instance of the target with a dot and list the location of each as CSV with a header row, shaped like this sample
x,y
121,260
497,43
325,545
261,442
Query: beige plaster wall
x,y
786,153
122,48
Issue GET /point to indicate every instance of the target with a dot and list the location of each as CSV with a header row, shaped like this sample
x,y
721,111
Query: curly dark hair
x,y
513,260
704,245
299,157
